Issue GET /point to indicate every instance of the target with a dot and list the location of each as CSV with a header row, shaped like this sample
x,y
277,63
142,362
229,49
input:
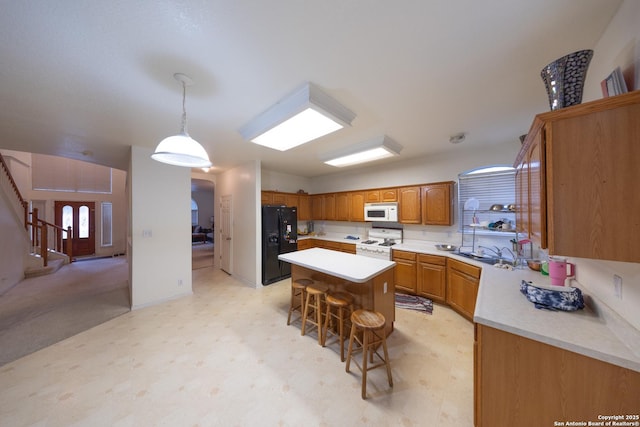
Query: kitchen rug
x,y
412,302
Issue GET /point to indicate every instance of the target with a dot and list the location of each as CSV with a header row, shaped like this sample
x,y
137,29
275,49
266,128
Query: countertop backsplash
x,y
440,234
597,277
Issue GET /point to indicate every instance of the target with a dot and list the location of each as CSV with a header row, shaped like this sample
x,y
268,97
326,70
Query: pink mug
x,y
558,270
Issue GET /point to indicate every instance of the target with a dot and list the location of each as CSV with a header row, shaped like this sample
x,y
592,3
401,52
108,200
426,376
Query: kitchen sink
x,y
483,259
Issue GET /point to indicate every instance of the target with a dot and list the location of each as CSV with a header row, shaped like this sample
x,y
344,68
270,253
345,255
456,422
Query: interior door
x,y
225,234
80,216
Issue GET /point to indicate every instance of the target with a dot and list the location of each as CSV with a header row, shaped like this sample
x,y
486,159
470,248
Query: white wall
x,y
618,46
13,245
277,181
243,184
160,230
438,167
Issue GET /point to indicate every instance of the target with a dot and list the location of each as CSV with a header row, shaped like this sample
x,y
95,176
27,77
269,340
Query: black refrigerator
x,y
279,236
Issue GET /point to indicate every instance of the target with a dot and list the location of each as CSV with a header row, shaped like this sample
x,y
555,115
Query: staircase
x,y
35,265
45,254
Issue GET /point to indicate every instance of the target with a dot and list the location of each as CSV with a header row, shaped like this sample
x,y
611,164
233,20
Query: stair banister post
x,y
34,227
69,244
44,250
25,206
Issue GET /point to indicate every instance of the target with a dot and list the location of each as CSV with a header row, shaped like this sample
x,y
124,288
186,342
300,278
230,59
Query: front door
x,y
80,216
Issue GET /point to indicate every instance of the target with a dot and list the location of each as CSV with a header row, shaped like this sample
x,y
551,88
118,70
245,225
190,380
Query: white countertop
x,y
353,268
595,331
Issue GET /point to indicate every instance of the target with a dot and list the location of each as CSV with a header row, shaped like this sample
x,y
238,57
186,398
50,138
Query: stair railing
x,y
39,228
40,237
9,187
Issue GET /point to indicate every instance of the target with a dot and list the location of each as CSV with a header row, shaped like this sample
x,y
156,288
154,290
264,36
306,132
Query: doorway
x,y
225,235
80,216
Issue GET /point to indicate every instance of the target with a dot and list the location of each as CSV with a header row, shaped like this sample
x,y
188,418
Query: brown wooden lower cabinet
x,y
348,248
522,382
305,244
326,244
463,281
405,271
432,277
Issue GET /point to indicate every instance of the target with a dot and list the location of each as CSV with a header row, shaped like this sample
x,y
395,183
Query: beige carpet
x,y
41,311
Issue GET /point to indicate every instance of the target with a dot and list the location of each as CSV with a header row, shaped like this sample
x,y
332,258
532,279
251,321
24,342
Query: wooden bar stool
x,y
316,293
342,302
371,323
298,291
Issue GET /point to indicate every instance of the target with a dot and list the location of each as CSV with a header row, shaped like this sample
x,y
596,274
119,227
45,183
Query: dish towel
x,y
568,299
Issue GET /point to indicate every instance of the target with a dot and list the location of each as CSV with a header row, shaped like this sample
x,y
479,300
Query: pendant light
x,y
181,149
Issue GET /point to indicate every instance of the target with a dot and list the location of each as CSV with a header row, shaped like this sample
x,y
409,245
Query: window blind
x,y
488,188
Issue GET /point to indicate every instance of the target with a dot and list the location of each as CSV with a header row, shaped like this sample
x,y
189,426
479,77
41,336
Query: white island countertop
x,y
354,268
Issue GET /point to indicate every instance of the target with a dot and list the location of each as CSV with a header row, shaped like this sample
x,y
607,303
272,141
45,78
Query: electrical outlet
x,y
617,285
179,282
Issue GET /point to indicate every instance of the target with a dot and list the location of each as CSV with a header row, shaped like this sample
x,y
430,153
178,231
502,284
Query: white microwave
x,y
387,211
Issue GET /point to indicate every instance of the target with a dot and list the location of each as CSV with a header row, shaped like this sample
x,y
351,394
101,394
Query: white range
x,y
379,242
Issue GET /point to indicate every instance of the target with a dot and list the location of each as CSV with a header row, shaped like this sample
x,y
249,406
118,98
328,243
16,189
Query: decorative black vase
x,y
564,78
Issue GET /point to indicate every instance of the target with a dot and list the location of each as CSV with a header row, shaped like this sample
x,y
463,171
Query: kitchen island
x,y
369,280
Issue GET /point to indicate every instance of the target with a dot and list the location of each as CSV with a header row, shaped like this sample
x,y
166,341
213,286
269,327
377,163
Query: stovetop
x,y
383,237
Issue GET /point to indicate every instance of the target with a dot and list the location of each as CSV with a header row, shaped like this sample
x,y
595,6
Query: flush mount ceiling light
x,y
302,116
375,149
181,149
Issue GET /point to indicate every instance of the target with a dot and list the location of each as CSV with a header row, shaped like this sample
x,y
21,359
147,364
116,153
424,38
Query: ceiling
x,y
87,80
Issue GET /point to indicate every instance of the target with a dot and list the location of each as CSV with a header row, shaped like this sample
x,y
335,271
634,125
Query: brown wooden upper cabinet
x,y
279,198
437,203
425,204
266,197
317,207
329,206
342,206
381,195
356,200
581,170
304,207
409,205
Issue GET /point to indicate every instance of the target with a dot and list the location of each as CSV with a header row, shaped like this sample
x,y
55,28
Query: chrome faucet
x,y
499,253
495,250
514,258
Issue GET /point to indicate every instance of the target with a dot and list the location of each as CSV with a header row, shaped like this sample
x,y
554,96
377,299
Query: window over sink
x,y
490,186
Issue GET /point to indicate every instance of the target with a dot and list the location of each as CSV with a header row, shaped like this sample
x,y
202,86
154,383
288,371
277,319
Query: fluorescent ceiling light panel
x,y
304,115
376,149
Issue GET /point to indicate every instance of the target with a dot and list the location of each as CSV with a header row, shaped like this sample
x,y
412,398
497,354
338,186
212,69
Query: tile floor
x,y
225,357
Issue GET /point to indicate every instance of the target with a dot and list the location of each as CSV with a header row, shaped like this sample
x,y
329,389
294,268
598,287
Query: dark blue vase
x,y
564,78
